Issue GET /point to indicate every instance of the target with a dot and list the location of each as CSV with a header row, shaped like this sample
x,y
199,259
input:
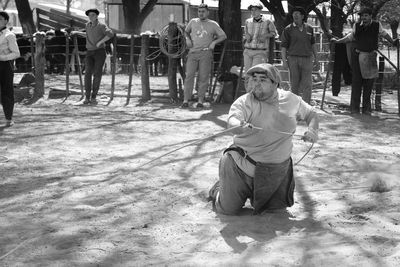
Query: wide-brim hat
x,y
255,4
270,70
300,9
365,10
94,10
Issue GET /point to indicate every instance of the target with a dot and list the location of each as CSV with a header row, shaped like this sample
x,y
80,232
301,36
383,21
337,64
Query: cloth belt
x,y
255,48
242,153
359,51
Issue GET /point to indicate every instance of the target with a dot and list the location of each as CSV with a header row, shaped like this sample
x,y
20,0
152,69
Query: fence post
x,y
32,41
40,63
271,47
398,73
113,67
131,54
172,62
145,68
67,65
78,60
379,83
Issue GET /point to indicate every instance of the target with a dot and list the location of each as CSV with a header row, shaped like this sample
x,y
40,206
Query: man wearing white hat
x,y
258,165
258,31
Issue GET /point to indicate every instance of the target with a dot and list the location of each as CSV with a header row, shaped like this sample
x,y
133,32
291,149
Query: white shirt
x,y
8,46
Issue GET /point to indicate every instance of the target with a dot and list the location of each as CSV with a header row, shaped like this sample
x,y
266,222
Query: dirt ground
x,y
75,188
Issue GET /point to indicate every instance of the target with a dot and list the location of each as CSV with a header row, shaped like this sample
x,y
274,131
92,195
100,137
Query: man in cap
x,y
97,34
202,34
365,35
298,51
258,31
258,165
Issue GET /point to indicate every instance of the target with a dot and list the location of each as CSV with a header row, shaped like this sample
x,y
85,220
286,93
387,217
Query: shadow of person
x,y
241,231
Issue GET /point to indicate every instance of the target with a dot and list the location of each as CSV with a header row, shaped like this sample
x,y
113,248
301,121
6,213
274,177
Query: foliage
x,y
390,12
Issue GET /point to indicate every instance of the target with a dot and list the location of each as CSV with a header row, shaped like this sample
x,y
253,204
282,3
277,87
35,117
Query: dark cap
x,y
94,10
5,15
300,9
270,70
256,5
365,10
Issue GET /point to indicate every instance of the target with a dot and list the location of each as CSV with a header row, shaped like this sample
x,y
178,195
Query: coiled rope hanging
x,y
177,45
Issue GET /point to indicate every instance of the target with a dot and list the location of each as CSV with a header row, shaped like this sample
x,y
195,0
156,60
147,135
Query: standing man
x,y
202,34
258,31
365,35
97,34
298,51
8,52
258,165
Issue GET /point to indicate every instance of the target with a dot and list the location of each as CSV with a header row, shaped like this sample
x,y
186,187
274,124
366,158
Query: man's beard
x,y
259,94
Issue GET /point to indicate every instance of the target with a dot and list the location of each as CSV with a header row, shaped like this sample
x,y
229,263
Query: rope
x,y
177,44
3,159
214,135
190,144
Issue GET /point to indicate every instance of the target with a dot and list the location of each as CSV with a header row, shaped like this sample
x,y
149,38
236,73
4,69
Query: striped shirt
x,y
258,31
8,45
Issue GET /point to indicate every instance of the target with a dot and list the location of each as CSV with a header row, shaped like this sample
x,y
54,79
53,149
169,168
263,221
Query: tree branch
x,y
146,10
321,19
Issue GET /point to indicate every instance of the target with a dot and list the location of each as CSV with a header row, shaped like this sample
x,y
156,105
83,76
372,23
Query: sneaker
x,y
9,123
86,101
212,194
185,105
199,105
93,101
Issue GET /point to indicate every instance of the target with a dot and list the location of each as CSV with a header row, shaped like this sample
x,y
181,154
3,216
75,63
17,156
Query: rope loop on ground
x,y
3,159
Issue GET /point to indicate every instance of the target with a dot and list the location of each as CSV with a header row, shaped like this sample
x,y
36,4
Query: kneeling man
x,y
258,165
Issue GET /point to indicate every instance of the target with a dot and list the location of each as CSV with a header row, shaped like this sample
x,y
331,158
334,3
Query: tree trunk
x,y
133,16
394,25
337,20
25,16
229,14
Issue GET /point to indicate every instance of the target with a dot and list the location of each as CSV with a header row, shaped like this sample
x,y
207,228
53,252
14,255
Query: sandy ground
x,y
76,189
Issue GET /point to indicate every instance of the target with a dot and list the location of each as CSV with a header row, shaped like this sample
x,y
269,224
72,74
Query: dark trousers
x,y
341,67
94,62
359,86
7,88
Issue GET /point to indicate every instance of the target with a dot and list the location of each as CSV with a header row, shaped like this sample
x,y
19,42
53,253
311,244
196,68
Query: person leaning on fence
x,y
258,165
365,35
8,52
298,50
202,34
258,30
97,34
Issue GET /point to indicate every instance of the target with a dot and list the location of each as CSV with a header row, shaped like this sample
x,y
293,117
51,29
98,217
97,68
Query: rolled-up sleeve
x,y
108,32
13,51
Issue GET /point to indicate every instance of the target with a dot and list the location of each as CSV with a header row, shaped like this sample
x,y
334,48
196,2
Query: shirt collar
x,y
366,24
259,20
294,25
92,24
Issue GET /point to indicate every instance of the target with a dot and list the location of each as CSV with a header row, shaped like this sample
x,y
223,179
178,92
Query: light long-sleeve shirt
x,y
8,46
273,144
